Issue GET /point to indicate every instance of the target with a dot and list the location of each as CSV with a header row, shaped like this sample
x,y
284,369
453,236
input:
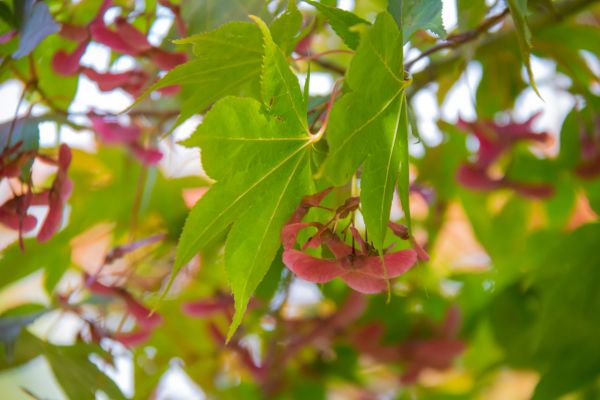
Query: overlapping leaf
x,y
368,125
227,62
260,156
518,11
286,26
342,22
412,15
36,25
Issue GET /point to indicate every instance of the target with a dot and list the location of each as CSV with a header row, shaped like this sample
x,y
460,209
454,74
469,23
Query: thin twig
x,y
13,123
537,23
459,39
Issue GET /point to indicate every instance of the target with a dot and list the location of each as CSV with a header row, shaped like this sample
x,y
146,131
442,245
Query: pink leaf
x,y
113,132
67,64
307,202
14,221
66,189
7,37
304,45
289,233
53,219
452,322
206,308
64,157
130,80
132,36
396,264
169,90
311,268
336,245
166,60
399,230
144,316
589,169
475,178
73,32
40,198
147,156
101,34
531,190
366,274
106,81
421,253
435,353
364,283
132,339
98,288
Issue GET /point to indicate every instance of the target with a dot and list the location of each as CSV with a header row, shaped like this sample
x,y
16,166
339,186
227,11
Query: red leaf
x,y
101,34
169,90
57,196
366,274
73,32
98,288
531,190
132,36
303,46
113,132
421,253
364,283
14,221
132,339
289,233
514,131
494,139
307,203
147,156
142,315
206,308
311,268
589,169
336,245
106,81
134,79
53,219
364,247
7,37
67,64
64,158
40,198
435,353
166,60
399,230
452,322
475,178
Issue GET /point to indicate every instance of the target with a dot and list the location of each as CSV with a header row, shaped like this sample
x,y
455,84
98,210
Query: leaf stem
x,y
317,136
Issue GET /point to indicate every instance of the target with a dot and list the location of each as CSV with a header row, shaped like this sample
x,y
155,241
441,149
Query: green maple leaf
x,y
284,28
227,62
413,15
369,124
518,11
259,154
342,22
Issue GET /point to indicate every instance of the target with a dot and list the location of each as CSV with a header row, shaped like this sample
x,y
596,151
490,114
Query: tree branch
x,y
459,39
564,10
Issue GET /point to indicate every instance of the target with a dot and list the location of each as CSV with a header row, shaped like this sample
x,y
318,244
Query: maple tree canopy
x,y
300,199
